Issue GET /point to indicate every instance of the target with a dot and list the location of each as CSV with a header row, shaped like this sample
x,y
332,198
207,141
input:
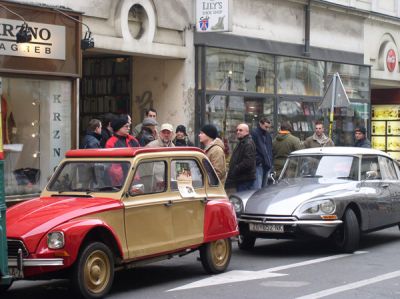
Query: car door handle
x,y
385,185
169,203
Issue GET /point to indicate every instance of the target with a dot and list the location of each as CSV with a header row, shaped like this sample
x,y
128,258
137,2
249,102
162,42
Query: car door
x,y
389,175
378,195
148,220
188,201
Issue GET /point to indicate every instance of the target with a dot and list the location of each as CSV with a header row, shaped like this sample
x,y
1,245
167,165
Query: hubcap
x,y
97,271
220,252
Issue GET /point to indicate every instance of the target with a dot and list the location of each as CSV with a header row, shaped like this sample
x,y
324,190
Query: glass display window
x,y
354,78
300,77
378,127
239,71
36,131
378,142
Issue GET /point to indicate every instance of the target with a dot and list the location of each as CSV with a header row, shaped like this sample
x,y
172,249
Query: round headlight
x,y
237,204
327,206
55,240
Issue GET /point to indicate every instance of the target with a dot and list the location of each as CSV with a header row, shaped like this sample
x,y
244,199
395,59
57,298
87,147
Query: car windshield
x,y
89,176
318,166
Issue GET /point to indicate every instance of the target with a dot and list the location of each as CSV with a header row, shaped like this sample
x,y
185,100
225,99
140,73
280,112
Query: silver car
x,y
334,192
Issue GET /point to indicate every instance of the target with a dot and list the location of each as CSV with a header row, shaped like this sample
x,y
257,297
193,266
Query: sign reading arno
x,y
38,112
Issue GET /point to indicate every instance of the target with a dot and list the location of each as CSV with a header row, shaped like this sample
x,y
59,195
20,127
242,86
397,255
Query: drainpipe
x,y
307,29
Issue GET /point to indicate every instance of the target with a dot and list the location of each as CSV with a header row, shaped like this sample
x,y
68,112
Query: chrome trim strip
x,y
36,262
296,222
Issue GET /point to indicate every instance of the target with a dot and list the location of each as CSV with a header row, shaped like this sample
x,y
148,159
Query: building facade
x,y
276,60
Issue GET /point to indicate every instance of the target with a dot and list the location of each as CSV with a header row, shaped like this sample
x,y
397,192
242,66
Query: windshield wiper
x,y
107,188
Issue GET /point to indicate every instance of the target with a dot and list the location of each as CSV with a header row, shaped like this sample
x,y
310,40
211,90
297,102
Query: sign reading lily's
x,y
48,41
213,15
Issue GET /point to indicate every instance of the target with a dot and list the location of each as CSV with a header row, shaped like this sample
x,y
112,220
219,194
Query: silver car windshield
x,y
89,176
329,167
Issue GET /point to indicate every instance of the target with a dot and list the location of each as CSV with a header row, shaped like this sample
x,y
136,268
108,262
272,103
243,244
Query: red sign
x,y
391,60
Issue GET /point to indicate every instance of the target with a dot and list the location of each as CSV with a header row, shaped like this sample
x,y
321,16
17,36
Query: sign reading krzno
x,y
48,41
212,15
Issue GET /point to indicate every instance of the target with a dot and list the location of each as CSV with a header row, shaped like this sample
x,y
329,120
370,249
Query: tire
x,y
347,237
246,242
215,256
93,272
4,288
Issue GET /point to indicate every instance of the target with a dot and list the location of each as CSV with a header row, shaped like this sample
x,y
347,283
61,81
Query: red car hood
x,y
33,218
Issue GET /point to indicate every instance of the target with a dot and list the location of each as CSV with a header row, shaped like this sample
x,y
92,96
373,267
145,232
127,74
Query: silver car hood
x,y
286,196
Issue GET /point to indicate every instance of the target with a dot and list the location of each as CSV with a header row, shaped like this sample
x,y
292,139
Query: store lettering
x,y
56,98
56,134
57,116
57,152
209,6
42,33
27,48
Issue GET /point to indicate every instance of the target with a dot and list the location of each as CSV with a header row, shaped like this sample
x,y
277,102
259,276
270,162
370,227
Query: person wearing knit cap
x,y
121,137
214,149
148,132
361,138
164,138
181,138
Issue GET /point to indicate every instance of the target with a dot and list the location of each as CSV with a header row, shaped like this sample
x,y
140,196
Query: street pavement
x,y
273,269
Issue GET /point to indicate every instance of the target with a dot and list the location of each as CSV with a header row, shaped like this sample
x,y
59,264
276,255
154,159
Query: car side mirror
x,y
136,189
372,174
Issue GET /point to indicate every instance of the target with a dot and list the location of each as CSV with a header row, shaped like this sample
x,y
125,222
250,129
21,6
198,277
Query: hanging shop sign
x,y
213,15
48,41
391,60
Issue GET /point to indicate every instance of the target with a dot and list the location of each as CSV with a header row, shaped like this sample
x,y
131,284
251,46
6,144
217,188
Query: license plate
x,y
268,228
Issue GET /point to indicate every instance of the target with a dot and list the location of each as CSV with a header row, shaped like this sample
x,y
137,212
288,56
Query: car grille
x,y
263,218
13,246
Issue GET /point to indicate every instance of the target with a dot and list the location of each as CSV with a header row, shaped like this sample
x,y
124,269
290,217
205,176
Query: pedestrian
x,y
361,140
283,144
148,132
106,130
165,137
181,138
242,166
214,149
92,138
318,139
121,137
149,113
264,160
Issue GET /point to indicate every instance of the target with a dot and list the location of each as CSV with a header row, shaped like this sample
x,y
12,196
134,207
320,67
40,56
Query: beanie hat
x,y
361,129
181,128
118,123
210,130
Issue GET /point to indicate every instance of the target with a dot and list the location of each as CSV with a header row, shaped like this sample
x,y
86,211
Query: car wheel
x,y
246,242
93,272
347,236
215,256
4,288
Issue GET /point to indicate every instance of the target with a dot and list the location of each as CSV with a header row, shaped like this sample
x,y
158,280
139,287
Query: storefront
x,y
38,94
241,79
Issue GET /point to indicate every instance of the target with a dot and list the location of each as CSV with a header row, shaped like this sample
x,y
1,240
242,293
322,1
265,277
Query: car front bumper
x,y
292,226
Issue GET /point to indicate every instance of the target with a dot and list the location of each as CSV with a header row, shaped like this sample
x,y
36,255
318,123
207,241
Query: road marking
x,y
350,286
240,275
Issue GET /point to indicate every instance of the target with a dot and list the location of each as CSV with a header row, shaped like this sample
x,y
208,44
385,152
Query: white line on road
x,y
239,275
351,286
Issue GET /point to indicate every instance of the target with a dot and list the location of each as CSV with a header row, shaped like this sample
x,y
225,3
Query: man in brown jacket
x,y
318,139
214,148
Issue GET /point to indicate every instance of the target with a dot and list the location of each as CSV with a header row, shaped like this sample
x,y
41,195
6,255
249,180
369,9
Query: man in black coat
x,y
263,141
93,135
242,166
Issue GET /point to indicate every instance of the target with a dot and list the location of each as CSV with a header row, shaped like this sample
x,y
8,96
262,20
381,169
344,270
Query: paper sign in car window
x,y
184,179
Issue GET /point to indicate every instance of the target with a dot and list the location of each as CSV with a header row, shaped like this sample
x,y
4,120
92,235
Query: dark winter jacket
x,y
145,136
242,166
91,140
122,141
183,142
283,144
263,141
105,135
363,143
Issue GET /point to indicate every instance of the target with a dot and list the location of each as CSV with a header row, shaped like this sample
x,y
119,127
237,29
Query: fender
x,y
75,232
219,221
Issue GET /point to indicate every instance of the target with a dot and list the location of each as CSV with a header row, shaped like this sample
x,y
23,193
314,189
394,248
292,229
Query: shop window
x,y
355,79
36,131
239,71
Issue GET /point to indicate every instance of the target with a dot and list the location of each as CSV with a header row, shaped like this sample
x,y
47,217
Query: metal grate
x,y
13,246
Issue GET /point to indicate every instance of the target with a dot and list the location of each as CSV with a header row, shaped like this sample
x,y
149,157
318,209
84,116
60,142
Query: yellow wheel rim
x,y
97,271
220,252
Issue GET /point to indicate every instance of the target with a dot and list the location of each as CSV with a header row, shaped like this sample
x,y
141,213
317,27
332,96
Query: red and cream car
x,y
110,209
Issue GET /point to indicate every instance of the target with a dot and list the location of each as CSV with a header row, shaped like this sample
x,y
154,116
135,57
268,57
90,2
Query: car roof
x,y
340,150
125,151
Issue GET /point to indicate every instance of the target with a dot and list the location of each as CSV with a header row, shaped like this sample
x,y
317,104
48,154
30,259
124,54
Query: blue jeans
x,y
243,186
261,177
